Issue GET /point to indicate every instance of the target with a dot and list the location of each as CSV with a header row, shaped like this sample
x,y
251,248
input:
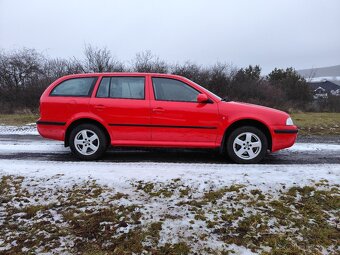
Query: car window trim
x,y
121,76
154,94
88,94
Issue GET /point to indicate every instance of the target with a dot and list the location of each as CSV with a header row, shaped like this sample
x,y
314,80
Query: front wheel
x,y
247,145
87,142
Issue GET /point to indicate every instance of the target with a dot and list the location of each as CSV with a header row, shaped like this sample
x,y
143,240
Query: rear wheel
x,y
247,145
87,142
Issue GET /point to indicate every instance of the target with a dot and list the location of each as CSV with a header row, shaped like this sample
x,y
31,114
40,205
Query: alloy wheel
x,y
86,142
247,145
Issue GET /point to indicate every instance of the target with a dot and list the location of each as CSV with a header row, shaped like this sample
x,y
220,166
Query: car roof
x,y
121,74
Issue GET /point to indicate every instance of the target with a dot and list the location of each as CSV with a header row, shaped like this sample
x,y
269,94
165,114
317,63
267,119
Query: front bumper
x,y
283,137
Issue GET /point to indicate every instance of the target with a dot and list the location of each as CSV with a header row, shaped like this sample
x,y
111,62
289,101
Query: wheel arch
x,y
85,121
246,122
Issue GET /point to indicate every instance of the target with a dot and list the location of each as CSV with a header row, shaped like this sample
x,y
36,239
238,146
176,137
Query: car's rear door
x,y
177,118
123,103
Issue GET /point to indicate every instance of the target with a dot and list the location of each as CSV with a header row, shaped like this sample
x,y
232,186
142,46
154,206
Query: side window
x,y
122,87
81,87
173,90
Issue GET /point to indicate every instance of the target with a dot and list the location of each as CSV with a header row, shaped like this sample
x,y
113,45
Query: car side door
x,y
176,116
122,101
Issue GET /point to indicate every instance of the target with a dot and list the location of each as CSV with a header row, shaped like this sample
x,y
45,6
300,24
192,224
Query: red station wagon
x,y
90,112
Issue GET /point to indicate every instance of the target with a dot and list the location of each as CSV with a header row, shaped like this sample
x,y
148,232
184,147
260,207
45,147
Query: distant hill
x,y
322,74
330,71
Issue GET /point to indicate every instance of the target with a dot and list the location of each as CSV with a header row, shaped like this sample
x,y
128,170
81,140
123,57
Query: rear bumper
x,y
50,123
283,137
51,129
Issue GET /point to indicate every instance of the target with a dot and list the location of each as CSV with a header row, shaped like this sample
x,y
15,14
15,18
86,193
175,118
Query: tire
x,y
247,145
87,142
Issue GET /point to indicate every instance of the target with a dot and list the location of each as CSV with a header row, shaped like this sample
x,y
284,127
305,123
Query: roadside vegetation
x,y
25,73
39,215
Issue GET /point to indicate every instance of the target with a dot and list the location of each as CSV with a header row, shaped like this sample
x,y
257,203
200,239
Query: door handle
x,y
99,107
158,109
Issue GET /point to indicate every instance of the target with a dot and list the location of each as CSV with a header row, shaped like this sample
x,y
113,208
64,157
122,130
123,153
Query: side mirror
x,y
202,98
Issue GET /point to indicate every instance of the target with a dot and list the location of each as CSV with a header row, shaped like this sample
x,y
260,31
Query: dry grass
x,y
18,119
317,123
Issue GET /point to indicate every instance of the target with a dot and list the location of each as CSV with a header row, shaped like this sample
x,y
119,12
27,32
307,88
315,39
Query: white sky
x,y
281,33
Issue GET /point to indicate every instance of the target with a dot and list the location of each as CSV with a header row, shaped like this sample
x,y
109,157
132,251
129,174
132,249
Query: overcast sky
x,y
281,33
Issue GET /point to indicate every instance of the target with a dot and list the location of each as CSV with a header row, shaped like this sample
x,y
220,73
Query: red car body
x,y
149,122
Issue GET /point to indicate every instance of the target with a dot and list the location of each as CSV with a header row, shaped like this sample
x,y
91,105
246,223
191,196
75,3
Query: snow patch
x,y
28,129
121,174
314,147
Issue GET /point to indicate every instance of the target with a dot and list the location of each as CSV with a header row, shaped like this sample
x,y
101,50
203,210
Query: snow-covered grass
x,y
100,207
118,174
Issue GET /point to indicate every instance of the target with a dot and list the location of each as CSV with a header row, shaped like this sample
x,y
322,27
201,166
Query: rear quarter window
x,y
81,87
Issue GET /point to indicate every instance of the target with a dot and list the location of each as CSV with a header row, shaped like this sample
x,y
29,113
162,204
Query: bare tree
x,y
58,67
20,73
100,60
147,62
220,76
18,68
192,71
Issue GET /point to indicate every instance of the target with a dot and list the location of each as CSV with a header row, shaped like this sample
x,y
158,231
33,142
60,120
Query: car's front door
x,y
124,104
176,116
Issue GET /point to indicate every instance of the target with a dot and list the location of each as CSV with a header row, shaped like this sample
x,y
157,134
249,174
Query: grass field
x,y
317,123
308,123
18,119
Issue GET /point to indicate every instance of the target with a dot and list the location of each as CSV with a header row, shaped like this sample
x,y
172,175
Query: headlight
x,y
289,122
